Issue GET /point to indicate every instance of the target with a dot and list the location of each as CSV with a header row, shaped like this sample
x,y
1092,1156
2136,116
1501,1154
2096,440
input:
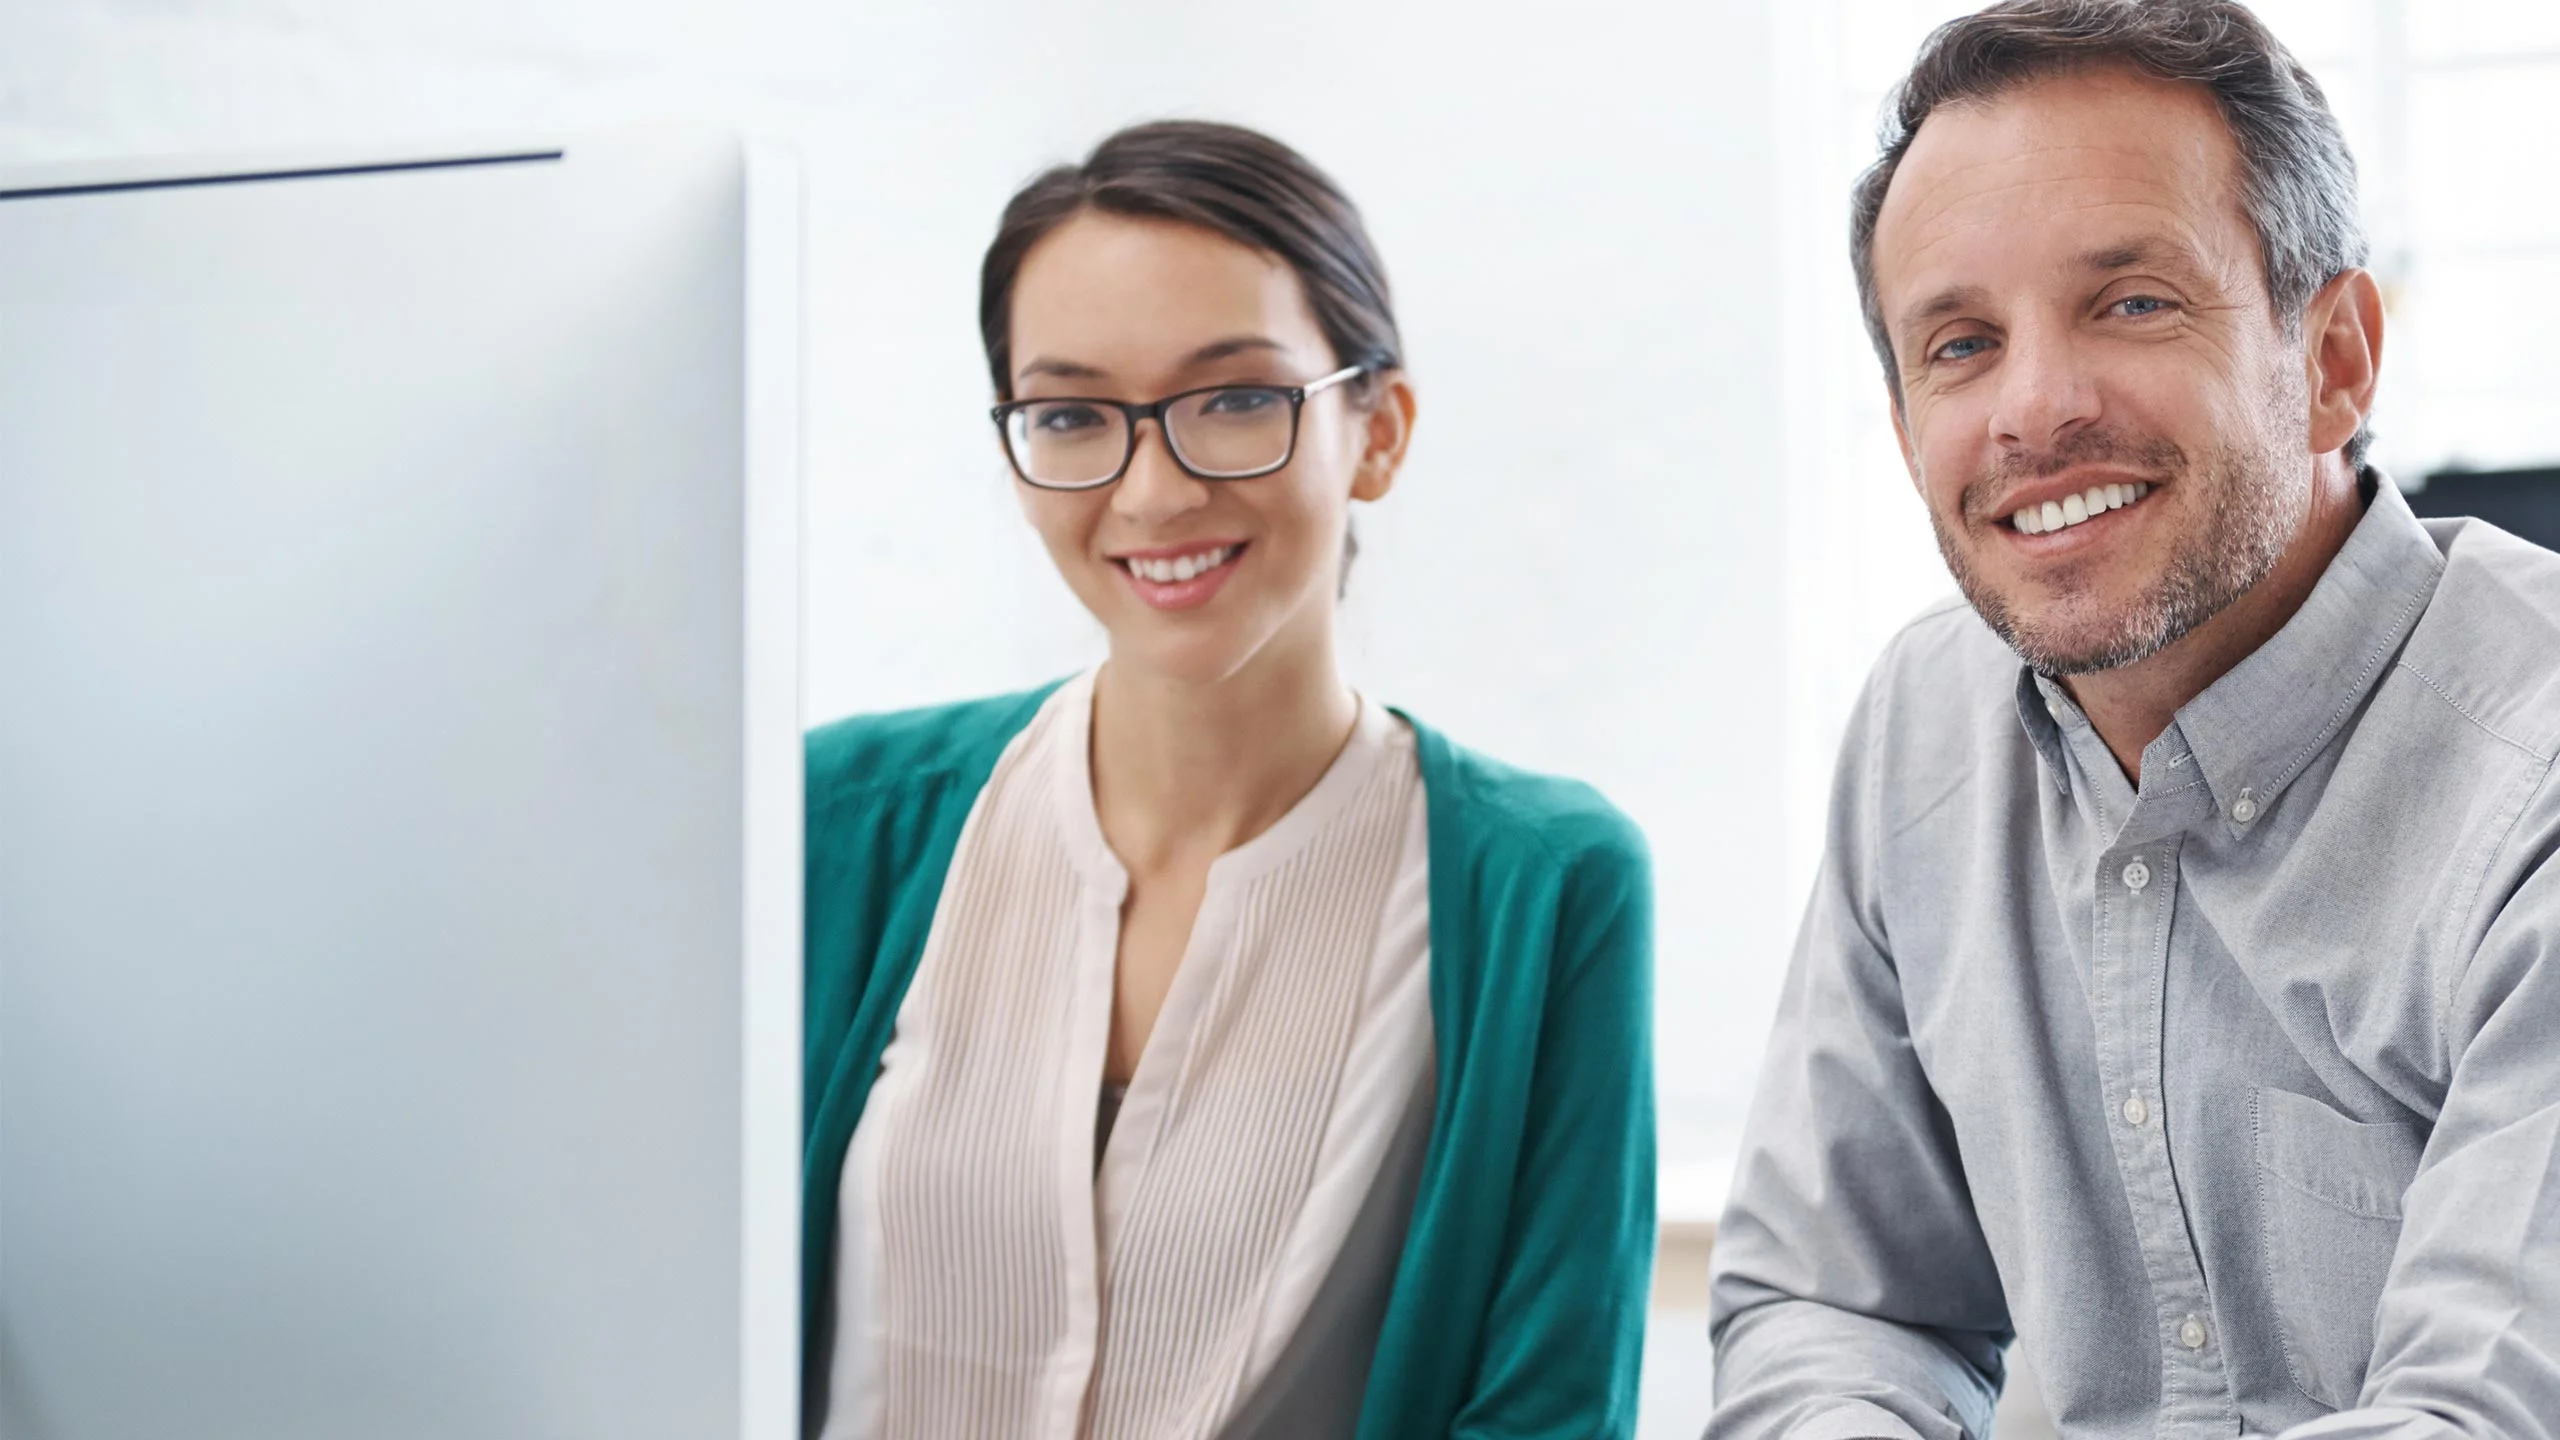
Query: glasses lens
x,y
1232,430
1066,442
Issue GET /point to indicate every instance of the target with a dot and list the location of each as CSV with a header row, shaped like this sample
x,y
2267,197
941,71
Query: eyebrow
x,y
1215,350
2132,253
1070,369
1232,345
1946,302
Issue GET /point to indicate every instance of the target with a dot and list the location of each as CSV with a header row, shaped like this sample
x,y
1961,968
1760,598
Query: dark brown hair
x,y
1236,182
2297,179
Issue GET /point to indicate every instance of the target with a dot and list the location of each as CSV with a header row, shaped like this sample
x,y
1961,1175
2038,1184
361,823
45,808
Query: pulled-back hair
x,y
1239,183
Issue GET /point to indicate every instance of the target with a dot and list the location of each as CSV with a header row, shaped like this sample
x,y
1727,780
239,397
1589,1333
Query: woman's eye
x,y
1241,401
1065,419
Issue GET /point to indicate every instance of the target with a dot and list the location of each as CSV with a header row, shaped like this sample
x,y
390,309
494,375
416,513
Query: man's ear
x,y
2341,357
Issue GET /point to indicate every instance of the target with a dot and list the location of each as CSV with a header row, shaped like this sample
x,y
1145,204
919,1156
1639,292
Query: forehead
x,y
1118,290
2011,187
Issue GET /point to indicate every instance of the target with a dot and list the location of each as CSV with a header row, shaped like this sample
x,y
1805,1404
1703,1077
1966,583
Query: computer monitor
x,y
399,796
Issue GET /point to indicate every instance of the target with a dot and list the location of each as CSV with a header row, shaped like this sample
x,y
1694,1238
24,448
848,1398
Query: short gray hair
x,y
2297,180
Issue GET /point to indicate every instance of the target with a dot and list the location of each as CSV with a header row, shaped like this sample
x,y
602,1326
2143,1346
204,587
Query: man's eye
x,y
1961,348
2136,306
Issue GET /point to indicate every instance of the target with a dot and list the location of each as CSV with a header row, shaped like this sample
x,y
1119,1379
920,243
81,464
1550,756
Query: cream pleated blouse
x,y
1222,1271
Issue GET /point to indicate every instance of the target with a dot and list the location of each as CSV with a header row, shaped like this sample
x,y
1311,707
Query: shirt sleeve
x,y
2467,1336
1853,1295
1564,1333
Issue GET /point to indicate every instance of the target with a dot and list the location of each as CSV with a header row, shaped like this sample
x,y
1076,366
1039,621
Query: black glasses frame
x,y
1156,410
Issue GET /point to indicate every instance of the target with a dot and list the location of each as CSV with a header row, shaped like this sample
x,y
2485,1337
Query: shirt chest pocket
x,y
2329,1193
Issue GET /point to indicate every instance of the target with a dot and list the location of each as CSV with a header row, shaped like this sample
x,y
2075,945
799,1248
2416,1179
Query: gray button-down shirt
x,y
2236,1096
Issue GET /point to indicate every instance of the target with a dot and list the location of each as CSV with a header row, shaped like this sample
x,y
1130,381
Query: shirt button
x,y
2135,1112
2245,809
2136,875
2191,1334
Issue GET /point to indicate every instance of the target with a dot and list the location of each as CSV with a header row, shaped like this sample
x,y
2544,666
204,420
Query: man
x,y
2181,990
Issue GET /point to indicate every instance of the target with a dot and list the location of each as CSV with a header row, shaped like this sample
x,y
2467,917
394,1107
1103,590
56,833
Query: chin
x,y
2083,636
1204,656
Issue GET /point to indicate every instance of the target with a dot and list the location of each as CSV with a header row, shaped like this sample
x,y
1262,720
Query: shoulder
x,y
867,755
1945,661
2489,640
1541,875
1525,819
1940,701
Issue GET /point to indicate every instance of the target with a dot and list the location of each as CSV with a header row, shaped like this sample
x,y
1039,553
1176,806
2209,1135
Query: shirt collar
x,y
2041,708
2252,731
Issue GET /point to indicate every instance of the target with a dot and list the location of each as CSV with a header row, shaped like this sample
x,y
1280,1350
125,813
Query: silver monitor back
x,y
399,796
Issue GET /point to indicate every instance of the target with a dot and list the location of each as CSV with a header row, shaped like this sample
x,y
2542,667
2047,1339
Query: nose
x,y
2044,392
1154,488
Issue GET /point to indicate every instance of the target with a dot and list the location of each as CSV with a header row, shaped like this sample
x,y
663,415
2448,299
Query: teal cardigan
x,y
1518,1306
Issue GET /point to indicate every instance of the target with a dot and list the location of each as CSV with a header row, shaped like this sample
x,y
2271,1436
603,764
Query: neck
x,y
1185,771
2130,706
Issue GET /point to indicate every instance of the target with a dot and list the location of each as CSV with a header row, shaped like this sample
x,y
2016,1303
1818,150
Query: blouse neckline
x,y
1371,743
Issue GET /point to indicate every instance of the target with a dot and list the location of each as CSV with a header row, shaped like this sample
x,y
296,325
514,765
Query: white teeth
x,y
2074,509
1181,568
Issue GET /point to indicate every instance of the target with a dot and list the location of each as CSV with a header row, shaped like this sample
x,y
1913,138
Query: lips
x,y
1179,577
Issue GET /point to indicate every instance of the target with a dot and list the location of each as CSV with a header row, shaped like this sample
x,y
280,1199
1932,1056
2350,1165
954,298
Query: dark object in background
x,y
2521,502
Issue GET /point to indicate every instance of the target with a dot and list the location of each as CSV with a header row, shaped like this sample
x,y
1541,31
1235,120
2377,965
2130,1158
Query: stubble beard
x,y
2245,512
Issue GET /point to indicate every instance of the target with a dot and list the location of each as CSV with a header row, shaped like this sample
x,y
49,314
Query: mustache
x,y
2150,454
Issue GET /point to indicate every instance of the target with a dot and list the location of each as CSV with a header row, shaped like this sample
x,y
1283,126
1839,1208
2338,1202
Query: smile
x,y
1176,579
2076,509
1179,568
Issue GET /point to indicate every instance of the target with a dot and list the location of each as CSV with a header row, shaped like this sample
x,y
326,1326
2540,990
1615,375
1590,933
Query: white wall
x,y
1580,570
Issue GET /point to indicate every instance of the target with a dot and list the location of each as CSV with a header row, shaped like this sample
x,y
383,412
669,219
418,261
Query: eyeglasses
x,y
1217,432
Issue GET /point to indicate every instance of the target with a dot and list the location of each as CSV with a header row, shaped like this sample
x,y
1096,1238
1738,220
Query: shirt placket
x,y
2137,890
1069,1382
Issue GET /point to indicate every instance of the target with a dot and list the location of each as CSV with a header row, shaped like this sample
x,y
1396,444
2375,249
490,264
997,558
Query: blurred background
x,y
1654,528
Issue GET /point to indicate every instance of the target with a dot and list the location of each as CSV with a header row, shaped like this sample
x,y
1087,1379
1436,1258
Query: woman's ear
x,y
1386,430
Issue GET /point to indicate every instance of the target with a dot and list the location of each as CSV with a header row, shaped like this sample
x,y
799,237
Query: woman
x,y
1196,1048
